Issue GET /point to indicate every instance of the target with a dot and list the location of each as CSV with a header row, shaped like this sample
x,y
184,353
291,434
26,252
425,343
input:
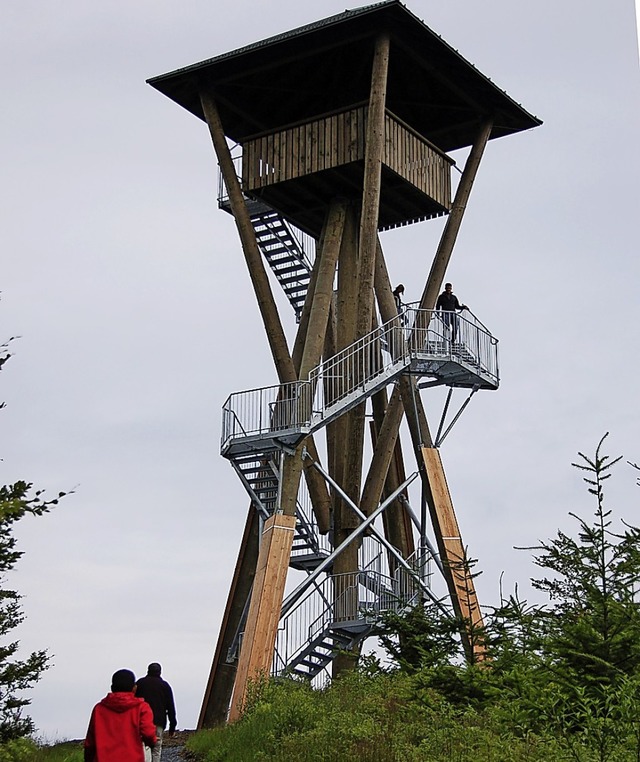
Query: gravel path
x,y
172,748
172,754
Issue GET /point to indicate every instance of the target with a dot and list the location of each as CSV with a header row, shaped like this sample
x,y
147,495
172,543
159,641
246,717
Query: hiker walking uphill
x,y
158,694
120,724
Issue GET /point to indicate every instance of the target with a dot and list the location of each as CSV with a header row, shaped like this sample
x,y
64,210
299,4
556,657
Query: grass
x,y
365,719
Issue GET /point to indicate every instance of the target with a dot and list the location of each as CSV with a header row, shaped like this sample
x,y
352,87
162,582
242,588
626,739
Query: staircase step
x,y
307,562
275,246
303,281
284,255
296,268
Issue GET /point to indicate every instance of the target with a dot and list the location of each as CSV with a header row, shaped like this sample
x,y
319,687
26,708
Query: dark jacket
x,y
158,694
448,302
119,725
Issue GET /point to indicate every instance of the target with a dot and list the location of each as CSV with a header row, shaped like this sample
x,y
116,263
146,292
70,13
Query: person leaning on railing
x,y
397,292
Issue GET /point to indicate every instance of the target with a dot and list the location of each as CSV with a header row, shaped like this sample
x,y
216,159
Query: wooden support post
x,y
346,319
217,695
256,653
404,399
271,320
374,153
320,297
396,522
367,246
454,220
344,518
264,296
315,330
458,575
311,337
257,273
364,279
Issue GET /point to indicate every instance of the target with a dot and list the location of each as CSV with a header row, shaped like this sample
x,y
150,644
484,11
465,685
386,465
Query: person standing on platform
x,y
448,303
120,724
158,694
397,292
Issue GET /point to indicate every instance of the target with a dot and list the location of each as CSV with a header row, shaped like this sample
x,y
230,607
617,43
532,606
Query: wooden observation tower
x,y
339,130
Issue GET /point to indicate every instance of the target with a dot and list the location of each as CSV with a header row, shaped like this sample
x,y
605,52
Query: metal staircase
x,y
260,476
342,610
285,255
308,550
259,473
322,650
288,251
281,416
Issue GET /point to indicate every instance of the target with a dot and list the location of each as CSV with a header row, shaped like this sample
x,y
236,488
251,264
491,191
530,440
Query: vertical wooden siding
x,y
339,139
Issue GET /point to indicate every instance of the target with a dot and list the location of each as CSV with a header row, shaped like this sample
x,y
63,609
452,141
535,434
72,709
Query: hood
x,y
120,702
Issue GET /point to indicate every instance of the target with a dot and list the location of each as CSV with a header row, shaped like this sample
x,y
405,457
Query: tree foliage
x,y
592,625
17,675
571,664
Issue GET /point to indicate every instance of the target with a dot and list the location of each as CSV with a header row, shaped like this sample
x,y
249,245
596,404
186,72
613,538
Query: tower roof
x,y
325,67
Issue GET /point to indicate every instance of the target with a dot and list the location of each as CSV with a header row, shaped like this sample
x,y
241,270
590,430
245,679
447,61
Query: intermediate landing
x,y
455,350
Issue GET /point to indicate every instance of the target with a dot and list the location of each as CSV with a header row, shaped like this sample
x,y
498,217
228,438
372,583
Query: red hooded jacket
x,y
118,726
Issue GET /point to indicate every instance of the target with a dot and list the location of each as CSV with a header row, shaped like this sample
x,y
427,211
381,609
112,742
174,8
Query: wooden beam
x,y
367,246
344,519
315,325
219,688
257,272
284,368
362,299
458,575
320,297
346,319
372,183
258,642
404,399
396,522
454,220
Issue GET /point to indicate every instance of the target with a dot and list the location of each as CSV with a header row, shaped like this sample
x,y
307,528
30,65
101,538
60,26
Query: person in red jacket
x,y
120,724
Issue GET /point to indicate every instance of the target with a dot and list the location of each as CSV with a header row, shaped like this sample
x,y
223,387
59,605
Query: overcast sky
x,y
129,292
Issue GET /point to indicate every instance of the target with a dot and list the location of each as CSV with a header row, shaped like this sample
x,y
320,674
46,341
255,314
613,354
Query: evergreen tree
x,y
16,675
573,665
592,625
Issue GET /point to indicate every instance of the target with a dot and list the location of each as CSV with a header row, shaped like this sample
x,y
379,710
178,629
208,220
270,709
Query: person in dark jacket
x,y
120,724
397,292
158,694
448,303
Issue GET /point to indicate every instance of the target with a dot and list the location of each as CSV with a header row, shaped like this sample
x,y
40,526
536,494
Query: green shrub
x,y
18,750
27,750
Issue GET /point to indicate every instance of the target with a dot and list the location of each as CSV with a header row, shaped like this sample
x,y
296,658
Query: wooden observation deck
x,y
297,105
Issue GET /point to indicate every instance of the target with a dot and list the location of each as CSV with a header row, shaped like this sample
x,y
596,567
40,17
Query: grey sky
x,y
137,319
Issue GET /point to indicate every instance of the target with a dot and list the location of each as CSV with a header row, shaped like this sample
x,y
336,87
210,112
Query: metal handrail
x,y
350,600
305,242
358,370
412,307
